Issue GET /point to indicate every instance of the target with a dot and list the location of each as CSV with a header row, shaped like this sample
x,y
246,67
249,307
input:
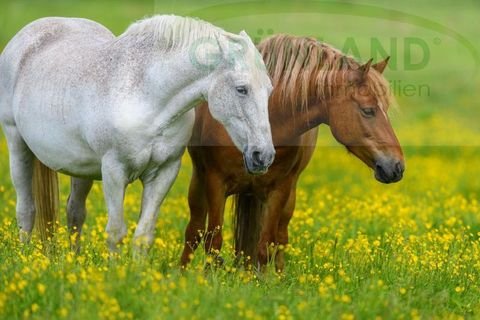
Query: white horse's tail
x,y
45,191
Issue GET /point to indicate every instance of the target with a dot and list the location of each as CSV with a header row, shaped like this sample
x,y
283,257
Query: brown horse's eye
x,y
368,112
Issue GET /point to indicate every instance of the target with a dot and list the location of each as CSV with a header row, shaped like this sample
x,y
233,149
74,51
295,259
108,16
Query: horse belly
x,y
54,132
60,148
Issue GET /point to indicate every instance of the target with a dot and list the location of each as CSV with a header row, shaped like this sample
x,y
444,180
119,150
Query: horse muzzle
x,y
389,170
257,161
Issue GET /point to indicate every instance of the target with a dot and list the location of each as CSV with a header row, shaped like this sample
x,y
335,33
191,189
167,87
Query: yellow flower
x,y
41,288
459,289
35,307
71,278
63,312
329,280
347,316
346,298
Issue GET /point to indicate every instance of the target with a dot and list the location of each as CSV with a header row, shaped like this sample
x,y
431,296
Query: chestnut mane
x,y
302,68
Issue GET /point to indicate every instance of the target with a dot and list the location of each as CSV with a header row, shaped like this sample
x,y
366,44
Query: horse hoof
x,y
25,236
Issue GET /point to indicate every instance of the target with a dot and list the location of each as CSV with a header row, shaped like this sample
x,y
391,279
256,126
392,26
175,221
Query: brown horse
x,y
313,84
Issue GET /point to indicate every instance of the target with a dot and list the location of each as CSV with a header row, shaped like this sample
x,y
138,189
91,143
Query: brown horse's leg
x,y
198,213
282,232
276,202
216,205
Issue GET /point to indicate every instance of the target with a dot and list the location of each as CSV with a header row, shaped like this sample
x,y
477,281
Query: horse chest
x,y
152,147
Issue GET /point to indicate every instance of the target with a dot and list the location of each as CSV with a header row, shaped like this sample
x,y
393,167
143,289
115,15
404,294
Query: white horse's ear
x,y
222,46
245,36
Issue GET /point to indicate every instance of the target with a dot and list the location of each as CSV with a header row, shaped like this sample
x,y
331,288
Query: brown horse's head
x,y
357,116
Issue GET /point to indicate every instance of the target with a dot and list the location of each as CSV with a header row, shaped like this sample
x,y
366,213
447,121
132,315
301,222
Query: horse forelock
x,y
380,88
302,68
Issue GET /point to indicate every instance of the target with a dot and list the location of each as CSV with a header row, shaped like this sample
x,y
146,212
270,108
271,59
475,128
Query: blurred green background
x,y
438,117
434,70
437,96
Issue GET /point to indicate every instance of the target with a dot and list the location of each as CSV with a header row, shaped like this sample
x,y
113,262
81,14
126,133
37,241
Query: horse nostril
x,y
399,167
381,172
256,157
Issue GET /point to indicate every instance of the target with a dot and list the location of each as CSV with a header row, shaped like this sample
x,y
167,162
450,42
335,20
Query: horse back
x,y
39,36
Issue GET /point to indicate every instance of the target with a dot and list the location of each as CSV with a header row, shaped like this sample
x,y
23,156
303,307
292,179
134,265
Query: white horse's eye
x,y
242,90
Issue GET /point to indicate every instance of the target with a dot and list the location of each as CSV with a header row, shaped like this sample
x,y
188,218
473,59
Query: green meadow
x,y
359,249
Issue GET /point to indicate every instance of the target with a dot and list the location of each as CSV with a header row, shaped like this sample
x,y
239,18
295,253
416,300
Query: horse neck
x,y
183,84
170,82
289,122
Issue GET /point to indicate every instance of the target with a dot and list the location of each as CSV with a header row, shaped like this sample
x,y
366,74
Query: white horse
x,y
95,106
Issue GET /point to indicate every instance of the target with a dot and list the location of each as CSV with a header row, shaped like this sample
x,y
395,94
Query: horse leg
x,y
76,208
276,202
114,184
156,184
21,170
282,232
216,206
198,214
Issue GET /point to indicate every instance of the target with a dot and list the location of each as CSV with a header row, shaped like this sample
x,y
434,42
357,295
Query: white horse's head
x,y
238,98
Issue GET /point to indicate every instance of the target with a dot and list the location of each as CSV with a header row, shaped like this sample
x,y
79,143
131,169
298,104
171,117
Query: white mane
x,y
172,32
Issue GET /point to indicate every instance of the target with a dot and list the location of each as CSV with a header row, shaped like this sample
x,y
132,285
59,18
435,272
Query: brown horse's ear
x,y
359,75
380,66
365,68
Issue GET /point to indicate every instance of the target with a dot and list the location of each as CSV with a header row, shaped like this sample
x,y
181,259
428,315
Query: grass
x,y
359,249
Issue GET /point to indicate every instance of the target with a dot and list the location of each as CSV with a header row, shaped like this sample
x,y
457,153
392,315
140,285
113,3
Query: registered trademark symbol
x,y
437,41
